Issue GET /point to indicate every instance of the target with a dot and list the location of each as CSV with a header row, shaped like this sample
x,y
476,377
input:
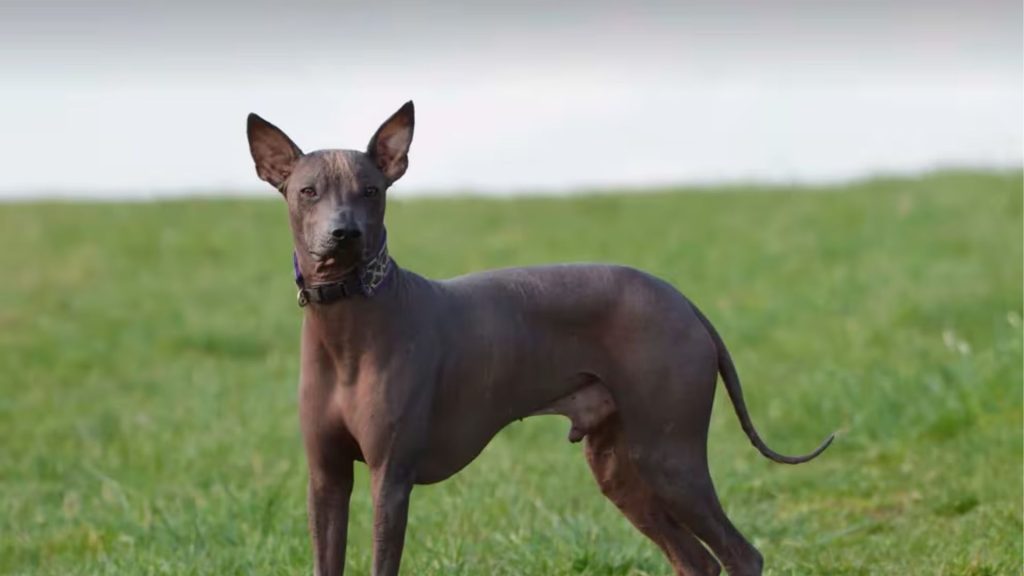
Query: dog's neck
x,y
345,329
362,279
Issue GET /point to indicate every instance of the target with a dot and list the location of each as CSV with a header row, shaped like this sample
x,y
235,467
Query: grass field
x,y
148,382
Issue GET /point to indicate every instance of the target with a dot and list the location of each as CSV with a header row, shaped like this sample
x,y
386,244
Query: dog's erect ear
x,y
272,150
389,147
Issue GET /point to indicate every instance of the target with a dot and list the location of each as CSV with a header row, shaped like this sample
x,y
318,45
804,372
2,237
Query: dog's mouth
x,y
337,254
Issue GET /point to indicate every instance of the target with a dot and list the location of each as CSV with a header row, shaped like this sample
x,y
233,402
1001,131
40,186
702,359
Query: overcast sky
x,y
137,98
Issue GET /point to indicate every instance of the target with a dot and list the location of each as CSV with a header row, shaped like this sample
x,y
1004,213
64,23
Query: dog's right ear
x,y
273,151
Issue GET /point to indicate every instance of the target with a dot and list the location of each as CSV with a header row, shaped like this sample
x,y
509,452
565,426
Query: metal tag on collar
x,y
302,297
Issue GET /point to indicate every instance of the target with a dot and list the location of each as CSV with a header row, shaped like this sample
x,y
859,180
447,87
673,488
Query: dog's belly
x,y
445,458
456,441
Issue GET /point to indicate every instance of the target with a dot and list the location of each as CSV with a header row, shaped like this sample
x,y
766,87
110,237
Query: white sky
x,y
135,99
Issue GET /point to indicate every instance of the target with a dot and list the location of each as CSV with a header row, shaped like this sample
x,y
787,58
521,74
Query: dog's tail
x,y
732,386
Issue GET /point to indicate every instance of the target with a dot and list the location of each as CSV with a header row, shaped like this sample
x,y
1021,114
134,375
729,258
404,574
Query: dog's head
x,y
335,197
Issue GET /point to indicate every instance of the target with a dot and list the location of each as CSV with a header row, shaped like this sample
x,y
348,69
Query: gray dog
x,y
414,377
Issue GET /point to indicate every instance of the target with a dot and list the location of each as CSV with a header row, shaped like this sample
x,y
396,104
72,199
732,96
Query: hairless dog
x,y
414,376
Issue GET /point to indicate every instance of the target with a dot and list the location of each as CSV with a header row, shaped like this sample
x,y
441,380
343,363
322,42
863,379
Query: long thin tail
x,y
732,386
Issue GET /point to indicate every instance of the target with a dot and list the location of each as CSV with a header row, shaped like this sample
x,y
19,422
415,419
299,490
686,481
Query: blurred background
x,y
133,99
837,185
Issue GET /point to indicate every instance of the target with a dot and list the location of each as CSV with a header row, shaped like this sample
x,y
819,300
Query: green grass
x,y
148,382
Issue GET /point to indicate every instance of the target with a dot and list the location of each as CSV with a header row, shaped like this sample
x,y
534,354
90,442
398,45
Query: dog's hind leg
x,y
664,389
621,483
682,483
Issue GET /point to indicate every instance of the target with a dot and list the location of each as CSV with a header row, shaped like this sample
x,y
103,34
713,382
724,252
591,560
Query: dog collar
x,y
365,280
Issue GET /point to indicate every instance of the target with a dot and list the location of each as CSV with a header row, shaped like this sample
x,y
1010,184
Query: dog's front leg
x,y
328,501
392,486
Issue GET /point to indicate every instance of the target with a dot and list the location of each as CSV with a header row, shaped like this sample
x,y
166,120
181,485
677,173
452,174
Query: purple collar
x,y
299,280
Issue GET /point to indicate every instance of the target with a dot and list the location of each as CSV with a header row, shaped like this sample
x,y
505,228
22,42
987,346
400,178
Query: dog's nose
x,y
346,233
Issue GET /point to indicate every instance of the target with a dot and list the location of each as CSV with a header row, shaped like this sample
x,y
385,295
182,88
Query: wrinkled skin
x,y
415,380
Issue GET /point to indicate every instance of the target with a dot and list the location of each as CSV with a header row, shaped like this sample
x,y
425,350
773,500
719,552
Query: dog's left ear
x,y
389,147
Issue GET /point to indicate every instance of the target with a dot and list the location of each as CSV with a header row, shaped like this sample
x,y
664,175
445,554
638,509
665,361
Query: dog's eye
x,y
370,191
308,192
